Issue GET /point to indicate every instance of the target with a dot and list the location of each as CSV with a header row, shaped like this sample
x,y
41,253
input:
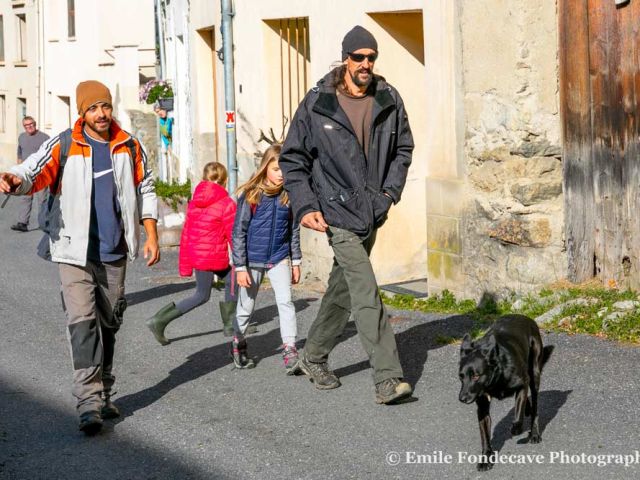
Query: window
x,y
71,18
3,113
22,37
288,41
64,110
1,38
21,111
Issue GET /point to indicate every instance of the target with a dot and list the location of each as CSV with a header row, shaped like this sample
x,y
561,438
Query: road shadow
x,y
208,360
269,312
157,292
39,440
259,317
196,365
549,404
414,344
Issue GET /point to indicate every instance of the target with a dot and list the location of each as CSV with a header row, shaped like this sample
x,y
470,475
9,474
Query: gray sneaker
x,y
318,373
241,359
392,390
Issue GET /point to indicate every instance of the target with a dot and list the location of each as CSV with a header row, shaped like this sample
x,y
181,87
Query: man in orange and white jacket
x,y
100,196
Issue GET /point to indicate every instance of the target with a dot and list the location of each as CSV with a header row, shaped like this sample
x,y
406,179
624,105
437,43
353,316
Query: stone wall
x,y
512,220
144,126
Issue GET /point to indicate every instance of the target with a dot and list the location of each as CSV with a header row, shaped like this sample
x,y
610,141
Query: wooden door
x,y
600,103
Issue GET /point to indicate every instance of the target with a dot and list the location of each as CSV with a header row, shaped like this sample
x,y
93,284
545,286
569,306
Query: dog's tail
x,y
546,354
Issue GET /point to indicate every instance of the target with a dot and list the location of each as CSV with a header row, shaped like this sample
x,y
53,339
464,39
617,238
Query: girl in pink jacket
x,y
204,247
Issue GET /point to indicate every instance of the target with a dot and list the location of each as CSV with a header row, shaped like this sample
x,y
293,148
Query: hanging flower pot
x,y
154,90
165,103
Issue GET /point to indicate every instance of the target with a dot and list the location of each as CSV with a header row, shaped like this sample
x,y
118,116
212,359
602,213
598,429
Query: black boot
x,y
109,409
90,423
161,319
227,312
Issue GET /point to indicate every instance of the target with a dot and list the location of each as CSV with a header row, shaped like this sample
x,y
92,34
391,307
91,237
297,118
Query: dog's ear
x,y
490,349
467,344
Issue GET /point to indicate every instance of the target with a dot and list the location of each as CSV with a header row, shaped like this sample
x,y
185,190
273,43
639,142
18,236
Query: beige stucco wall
x,y
113,53
18,79
101,50
400,253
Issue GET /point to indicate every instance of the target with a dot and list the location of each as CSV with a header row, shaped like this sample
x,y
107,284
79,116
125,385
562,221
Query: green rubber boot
x,y
227,312
161,319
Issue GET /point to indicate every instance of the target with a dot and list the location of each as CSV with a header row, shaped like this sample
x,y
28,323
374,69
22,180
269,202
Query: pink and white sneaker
x,y
289,357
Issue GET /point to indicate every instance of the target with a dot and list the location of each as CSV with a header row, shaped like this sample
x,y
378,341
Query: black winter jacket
x,y
325,168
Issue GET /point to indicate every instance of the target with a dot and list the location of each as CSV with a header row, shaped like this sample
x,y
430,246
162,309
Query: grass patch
x,y
444,303
595,314
446,340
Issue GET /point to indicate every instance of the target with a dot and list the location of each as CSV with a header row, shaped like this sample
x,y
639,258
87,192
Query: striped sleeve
x,y
40,169
145,185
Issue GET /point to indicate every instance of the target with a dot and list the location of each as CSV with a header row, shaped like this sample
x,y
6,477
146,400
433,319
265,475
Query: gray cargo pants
x,y
353,290
93,299
25,203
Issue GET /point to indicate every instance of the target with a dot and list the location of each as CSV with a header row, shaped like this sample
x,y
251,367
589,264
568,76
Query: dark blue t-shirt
x,y
106,232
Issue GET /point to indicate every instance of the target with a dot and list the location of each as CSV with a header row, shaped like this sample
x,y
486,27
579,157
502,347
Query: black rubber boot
x,y
227,312
109,409
161,319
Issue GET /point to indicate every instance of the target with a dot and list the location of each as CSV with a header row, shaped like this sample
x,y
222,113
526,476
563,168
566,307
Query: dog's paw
x,y
516,428
484,466
535,437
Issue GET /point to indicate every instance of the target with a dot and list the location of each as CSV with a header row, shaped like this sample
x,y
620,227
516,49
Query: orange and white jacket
x,y
71,210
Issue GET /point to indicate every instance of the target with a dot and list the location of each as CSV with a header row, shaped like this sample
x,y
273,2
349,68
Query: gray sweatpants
x,y
25,204
280,278
93,299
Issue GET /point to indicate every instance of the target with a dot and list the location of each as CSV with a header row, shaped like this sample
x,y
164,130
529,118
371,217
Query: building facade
x,y
482,208
483,109
50,46
20,75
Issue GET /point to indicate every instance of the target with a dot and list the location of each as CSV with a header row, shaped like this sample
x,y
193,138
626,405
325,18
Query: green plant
x,y
153,90
174,193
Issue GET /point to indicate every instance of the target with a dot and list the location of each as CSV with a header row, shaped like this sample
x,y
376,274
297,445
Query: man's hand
x,y
295,274
314,221
244,279
151,247
9,182
151,251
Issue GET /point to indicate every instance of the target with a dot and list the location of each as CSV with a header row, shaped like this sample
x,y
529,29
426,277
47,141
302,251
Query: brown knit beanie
x,y
89,93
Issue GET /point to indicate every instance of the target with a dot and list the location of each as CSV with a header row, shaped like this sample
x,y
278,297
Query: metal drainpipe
x,y
160,73
229,93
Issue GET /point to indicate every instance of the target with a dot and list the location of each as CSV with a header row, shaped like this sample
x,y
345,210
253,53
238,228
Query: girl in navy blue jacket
x,y
265,241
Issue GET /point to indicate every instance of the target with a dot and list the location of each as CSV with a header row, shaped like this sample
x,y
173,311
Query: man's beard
x,y
362,83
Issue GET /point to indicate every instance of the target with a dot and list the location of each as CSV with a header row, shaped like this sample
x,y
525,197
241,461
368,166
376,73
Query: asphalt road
x,y
188,414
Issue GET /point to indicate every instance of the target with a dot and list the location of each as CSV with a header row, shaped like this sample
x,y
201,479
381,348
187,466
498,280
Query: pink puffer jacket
x,y
206,236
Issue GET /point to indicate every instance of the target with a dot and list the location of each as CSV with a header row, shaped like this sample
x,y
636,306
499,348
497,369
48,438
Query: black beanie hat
x,y
357,38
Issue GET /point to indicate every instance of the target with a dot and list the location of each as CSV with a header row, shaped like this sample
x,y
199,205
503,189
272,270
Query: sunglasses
x,y
29,125
359,57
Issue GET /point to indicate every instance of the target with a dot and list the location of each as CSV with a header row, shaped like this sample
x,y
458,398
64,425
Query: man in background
x,y
29,142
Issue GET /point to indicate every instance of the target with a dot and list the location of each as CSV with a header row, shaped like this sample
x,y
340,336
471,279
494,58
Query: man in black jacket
x,y
345,162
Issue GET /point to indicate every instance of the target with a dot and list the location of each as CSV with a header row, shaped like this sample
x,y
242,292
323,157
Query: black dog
x,y
506,361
